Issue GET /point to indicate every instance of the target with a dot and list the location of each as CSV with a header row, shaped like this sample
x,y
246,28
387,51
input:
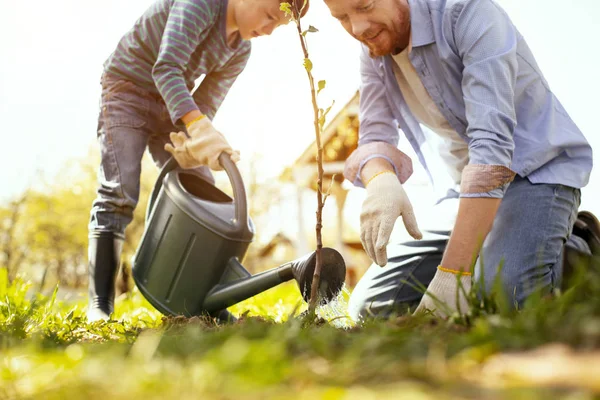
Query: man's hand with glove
x,y
451,283
386,201
203,147
446,293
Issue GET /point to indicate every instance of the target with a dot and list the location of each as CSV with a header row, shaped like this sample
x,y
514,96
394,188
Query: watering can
x,y
189,260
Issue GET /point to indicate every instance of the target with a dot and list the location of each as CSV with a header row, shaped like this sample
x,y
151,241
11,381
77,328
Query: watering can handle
x,y
169,166
239,192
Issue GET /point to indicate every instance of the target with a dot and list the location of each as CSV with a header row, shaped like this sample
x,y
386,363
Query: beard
x,y
383,39
382,45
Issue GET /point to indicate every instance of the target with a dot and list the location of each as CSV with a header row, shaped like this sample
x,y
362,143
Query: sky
x,y
52,53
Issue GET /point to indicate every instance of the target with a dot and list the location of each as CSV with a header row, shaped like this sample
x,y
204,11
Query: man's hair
x,y
297,6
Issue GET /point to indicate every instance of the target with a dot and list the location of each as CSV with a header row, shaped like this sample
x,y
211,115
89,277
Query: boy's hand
x,y
204,146
179,152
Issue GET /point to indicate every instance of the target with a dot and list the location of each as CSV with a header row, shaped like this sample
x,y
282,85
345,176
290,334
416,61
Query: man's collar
x,y
421,28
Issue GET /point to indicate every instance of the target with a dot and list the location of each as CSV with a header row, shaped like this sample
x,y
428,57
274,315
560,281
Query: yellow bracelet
x,y
453,271
387,171
194,120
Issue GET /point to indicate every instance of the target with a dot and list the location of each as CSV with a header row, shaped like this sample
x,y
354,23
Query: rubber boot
x,y
104,254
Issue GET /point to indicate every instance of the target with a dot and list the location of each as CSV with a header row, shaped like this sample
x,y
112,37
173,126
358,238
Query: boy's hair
x,y
297,6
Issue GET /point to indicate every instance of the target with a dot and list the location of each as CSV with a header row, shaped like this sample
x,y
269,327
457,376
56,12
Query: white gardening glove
x,y
386,200
179,152
203,147
444,295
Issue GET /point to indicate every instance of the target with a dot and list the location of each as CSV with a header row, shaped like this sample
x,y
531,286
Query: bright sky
x,y
52,55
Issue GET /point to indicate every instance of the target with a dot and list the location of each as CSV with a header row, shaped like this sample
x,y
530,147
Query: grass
x,y
50,352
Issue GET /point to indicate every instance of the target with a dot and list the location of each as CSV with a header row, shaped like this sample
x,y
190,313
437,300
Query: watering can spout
x,y
333,274
237,284
188,261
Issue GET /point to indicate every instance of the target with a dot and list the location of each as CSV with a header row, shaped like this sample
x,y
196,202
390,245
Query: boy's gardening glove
x,y
445,295
203,147
386,200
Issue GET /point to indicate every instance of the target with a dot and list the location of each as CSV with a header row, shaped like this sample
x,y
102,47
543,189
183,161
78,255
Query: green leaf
x,y
3,281
286,8
307,65
323,115
53,298
321,86
310,29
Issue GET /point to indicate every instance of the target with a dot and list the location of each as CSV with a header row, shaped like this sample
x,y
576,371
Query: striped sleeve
x,y
186,21
213,89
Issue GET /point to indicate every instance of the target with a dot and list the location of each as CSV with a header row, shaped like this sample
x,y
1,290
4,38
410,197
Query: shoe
x,y
587,227
104,254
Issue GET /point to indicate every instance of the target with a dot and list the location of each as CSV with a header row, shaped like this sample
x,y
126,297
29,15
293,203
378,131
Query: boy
x,y
146,88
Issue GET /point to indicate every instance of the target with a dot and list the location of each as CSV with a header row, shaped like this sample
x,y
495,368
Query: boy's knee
x,y
111,219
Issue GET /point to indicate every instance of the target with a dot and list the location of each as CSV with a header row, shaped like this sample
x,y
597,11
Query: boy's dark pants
x,y
131,119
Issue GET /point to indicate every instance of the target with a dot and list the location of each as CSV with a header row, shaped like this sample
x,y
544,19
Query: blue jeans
x,y
533,223
131,120
530,230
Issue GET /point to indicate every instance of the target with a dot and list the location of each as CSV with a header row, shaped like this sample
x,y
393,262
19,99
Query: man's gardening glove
x,y
445,295
203,147
386,200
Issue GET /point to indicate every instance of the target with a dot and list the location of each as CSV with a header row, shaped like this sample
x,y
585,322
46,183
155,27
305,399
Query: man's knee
x,y
513,282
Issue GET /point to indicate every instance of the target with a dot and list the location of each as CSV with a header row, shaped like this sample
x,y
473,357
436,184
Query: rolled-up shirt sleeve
x,y
378,130
486,40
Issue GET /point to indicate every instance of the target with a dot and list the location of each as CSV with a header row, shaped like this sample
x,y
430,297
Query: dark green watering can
x,y
189,259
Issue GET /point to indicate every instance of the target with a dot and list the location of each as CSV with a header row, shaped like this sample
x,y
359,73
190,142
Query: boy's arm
x,y
206,143
181,36
212,91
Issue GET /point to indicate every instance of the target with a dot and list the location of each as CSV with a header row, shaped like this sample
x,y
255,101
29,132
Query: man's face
x,y
382,25
259,17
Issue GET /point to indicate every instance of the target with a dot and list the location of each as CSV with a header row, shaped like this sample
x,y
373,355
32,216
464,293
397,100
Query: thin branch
x,y
318,124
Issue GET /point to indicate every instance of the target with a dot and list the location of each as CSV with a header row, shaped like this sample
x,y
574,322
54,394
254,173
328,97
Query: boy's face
x,y
382,25
259,17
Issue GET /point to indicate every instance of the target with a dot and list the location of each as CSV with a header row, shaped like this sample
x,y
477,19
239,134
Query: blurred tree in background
x,y
43,232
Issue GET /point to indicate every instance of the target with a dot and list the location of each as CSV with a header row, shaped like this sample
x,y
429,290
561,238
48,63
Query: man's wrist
x,y
454,271
457,259
374,167
378,174
473,223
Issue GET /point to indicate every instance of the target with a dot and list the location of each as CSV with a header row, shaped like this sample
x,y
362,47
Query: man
x,y
146,94
461,69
